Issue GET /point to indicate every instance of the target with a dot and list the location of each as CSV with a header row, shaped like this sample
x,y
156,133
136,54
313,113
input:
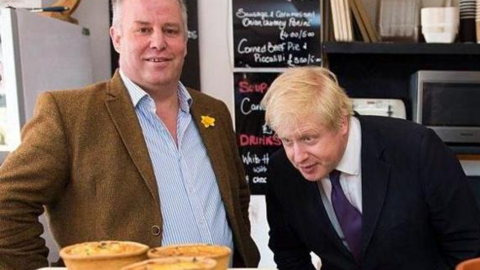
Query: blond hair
x,y
306,91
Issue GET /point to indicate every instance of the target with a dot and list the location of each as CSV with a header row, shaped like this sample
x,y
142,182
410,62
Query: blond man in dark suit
x,y
137,158
361,192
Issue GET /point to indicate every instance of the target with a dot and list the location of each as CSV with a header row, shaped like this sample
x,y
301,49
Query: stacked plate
x,y
467,20
467,9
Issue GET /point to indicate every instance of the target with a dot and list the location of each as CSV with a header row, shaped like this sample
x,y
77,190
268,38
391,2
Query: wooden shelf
x,y
401,48
468,157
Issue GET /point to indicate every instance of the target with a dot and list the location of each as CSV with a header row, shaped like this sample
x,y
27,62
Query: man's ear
x,y
345,124
116,37
186,48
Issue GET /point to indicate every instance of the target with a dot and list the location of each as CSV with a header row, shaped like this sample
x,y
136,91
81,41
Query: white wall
x,y
215,62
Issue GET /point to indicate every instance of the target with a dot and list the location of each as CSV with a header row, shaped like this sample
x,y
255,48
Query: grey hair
x,y
117,6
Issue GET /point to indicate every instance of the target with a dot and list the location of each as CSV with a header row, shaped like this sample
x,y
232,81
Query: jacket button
x,y
156,230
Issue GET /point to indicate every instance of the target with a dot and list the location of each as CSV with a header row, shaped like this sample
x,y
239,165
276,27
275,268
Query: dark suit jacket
x,y
418,210
84,157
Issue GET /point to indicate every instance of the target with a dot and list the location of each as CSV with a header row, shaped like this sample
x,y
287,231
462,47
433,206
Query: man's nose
x,y
299,153
158,41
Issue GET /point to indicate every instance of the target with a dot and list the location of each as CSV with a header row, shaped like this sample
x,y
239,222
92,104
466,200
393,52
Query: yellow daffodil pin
x,y
208,121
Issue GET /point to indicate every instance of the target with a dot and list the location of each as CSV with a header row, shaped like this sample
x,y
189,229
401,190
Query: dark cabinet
x,y
383,70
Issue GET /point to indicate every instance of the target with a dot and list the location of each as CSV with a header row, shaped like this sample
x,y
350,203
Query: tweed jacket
x,y
83,158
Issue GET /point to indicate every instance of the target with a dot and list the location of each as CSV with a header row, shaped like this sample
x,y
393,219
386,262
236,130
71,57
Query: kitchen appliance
x,y
449,103
381,107
36,54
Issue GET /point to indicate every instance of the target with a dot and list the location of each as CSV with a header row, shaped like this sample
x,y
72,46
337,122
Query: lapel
x,y
122,113
212,139
375,178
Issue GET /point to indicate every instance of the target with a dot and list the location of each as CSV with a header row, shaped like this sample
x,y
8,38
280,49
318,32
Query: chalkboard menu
x,y
276,33
255,139
191,67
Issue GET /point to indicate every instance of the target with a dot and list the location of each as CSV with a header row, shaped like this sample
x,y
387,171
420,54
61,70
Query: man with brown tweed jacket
x,y
137,158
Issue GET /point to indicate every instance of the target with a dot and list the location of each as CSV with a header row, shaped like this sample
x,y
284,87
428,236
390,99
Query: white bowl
x,y
436,15
440,28
445,37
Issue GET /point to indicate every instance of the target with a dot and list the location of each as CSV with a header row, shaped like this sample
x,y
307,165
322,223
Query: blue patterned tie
x,y
348,216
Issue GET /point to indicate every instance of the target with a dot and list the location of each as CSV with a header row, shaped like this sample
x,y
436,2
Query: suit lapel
x,y
213,144
122,112
375,178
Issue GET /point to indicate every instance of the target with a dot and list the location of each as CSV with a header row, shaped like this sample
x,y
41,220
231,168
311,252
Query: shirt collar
x,y
137,93
350,162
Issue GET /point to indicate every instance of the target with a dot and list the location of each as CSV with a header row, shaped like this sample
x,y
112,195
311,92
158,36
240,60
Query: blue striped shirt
x,y
192,209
